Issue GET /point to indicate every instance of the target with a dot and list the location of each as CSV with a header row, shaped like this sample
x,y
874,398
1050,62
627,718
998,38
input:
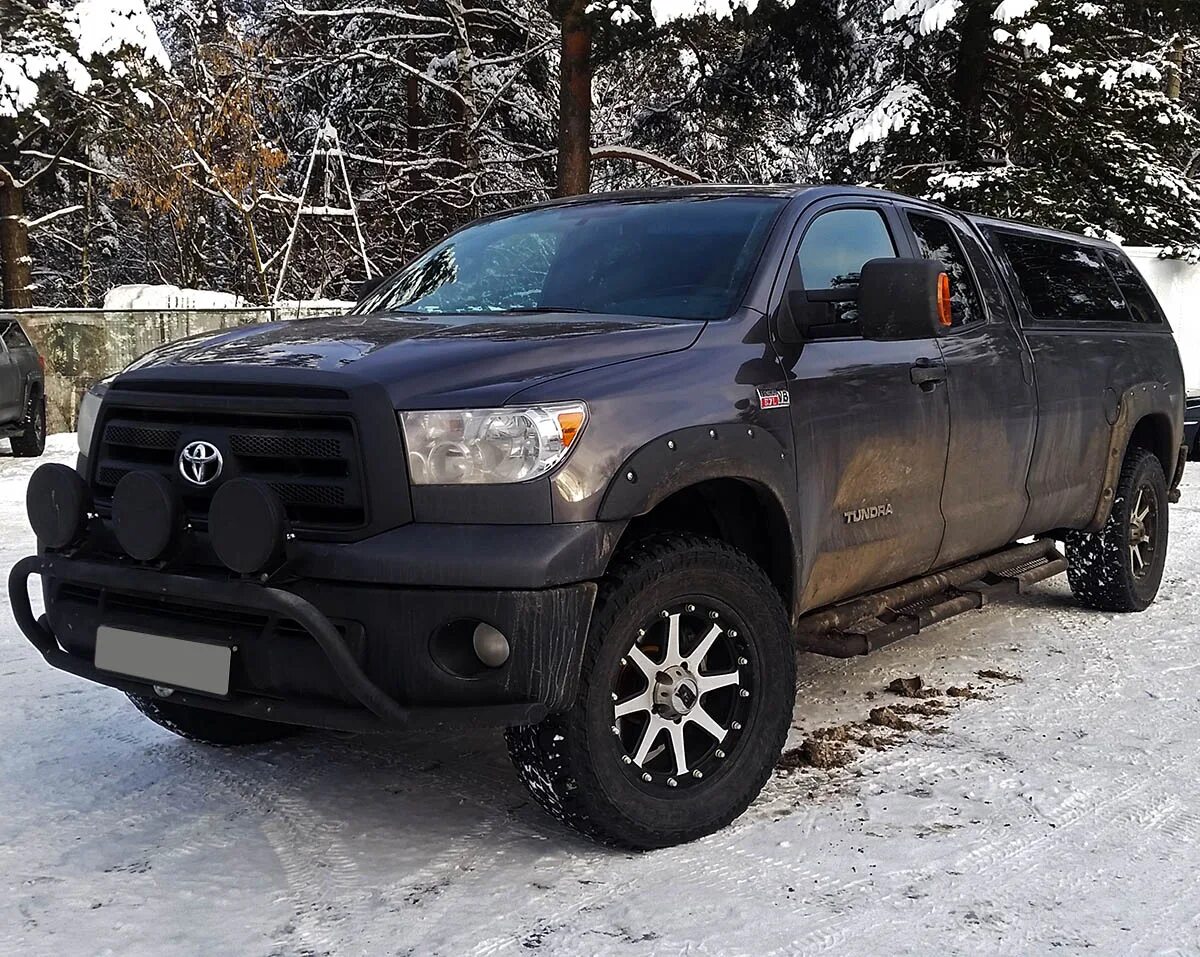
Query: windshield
x,y
686,258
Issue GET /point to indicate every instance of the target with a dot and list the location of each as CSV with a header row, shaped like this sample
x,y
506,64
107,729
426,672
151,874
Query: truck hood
x,y
430,361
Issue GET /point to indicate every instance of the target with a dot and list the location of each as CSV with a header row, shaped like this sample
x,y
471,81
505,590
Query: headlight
x,y
89,408
490,446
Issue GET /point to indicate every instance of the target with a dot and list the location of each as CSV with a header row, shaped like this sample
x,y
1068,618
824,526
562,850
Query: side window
x,y
14,336
838,243
991,287
936,240
1064,281
1143,307
834,249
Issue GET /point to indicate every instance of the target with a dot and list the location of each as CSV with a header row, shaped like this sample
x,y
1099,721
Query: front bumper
x,y
335,654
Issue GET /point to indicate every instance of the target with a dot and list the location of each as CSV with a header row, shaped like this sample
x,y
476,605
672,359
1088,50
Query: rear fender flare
x,y
1137,402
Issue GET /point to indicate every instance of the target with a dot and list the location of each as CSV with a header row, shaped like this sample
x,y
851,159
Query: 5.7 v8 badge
x,y
773,398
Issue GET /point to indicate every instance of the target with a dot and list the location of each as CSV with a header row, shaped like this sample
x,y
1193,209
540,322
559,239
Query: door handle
x,y
927,373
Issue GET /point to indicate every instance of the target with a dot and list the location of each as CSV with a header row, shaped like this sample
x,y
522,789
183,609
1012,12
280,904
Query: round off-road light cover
x,y
248,526
58,502
147,514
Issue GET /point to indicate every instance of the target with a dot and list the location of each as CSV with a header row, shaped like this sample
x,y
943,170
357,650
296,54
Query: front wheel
x,y
685,698
1120,567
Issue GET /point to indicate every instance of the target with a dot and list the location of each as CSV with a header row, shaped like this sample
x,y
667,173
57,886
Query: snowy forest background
x,y
168,142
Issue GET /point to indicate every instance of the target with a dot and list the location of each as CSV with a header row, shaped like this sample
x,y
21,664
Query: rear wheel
x,y
210,727
685,699
1120,567
32,442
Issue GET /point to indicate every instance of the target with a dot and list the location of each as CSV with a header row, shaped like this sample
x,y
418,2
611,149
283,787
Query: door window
x,y
936,240
1064,281
838,243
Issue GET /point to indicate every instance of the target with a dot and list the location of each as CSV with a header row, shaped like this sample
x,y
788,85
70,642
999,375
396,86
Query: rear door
x,y
10,381
1083,338
993,403
870,444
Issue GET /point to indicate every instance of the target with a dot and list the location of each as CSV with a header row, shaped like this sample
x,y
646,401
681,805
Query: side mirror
x,y
368,286
904,299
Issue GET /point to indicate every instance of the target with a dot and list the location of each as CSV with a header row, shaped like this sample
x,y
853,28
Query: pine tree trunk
x,y
970,78
1174,84
15,262
575,102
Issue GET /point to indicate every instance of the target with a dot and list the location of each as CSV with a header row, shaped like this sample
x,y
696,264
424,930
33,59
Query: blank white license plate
x,y
164,661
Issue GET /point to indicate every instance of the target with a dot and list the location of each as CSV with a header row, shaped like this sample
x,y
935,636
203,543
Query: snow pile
x,y
165,296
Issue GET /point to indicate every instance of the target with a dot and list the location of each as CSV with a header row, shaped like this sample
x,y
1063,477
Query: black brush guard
x,y
380,712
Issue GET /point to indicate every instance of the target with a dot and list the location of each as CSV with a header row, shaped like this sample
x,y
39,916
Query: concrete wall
x,y
81,346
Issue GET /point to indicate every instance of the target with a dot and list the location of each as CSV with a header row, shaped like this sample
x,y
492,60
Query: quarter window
x,y
936,240
1063,281
1143,307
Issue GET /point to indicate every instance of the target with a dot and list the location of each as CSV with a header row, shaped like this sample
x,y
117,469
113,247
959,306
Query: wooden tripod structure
x,y
327,146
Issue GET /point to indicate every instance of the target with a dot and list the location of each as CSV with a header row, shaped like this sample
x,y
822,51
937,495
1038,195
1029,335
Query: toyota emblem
x,y
200,463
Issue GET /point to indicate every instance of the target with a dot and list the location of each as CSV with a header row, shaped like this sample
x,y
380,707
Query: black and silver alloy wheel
x,y
680,695
685,698
1120,567
1143,521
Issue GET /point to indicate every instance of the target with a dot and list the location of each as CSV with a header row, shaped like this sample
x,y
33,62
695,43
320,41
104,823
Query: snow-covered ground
x,y
1060,812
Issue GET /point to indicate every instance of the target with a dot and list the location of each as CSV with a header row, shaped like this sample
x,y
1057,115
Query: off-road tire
x,y
572,763
32,442
1100,567
215,728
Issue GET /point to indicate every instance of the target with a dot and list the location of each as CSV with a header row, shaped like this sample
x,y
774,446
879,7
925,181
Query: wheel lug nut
x,y
736,726
671,783
615,729
731,633
690,608
624,662
665,614
646,777
714,615
697,775
614,696
743,661
641,632
719,753
743,693
626,759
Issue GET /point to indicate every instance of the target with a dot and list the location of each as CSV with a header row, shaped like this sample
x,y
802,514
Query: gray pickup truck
x,y
594,471
22,391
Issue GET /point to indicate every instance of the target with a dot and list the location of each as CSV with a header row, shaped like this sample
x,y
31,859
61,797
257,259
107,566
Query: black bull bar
x,y
382,711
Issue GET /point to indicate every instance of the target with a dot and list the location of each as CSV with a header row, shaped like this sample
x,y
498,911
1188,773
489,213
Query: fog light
x,y
491,647
147,515
58,503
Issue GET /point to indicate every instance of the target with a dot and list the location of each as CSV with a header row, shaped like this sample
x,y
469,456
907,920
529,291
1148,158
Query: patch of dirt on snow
x,y
913,687
994,674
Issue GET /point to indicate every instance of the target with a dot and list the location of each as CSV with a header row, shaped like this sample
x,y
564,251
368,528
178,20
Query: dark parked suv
x,y
22,391
595,470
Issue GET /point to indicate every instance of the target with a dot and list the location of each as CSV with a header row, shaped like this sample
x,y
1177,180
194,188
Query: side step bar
x,y
862,625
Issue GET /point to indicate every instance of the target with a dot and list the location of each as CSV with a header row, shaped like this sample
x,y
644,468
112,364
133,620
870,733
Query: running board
x,y
862,625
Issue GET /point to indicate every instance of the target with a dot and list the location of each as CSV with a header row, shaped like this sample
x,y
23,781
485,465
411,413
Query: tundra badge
x,y
867,513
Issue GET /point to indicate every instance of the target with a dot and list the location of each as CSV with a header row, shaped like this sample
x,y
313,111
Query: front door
x,y
993,401
870,442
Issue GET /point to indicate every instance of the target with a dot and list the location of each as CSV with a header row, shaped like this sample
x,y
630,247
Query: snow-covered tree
x,y
1056,111
67,73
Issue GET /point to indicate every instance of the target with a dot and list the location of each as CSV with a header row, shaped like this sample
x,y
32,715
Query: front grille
x,y
311,461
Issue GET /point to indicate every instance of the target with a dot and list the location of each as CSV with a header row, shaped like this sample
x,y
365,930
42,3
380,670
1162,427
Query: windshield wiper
x,y
536,309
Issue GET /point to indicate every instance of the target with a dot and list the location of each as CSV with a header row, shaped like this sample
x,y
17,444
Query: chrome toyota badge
x,y
200,462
